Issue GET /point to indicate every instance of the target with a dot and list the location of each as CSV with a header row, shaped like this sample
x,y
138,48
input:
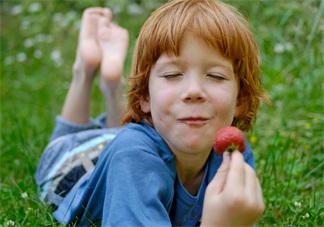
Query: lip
x,y
194,121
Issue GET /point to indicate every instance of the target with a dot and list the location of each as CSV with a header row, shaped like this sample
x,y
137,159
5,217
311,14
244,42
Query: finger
x,y
219,181
260,196
236,173
250,181
253,190
252,184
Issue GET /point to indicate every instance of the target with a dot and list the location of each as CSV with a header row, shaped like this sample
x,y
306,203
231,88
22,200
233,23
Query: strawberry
x,y
229,138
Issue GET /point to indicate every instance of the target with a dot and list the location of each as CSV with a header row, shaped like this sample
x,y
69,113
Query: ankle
x,y
112,89
80,74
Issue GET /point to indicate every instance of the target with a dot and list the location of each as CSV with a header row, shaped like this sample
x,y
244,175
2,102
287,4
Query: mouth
x,y
194,121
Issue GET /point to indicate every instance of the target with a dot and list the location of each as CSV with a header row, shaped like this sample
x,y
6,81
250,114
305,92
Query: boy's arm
x,y
234,196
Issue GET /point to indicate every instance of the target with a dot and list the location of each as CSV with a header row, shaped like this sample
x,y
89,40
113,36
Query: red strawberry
x,y
229,138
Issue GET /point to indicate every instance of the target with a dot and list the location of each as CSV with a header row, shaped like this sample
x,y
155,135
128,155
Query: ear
x,y
238,110
145,105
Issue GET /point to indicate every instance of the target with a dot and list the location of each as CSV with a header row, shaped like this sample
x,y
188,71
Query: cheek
x,y
161,96
162,107
225,106
159,105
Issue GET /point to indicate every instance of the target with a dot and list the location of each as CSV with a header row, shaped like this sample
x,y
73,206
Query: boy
x,y
195,70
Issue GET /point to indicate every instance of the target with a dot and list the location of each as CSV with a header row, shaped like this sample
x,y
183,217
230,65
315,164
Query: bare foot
x,y
76,106
88,55
113,42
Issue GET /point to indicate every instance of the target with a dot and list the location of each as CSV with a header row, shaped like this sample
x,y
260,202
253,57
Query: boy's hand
x,y
234,196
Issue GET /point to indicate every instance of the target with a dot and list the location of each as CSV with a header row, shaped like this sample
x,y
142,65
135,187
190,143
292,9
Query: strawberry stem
x,y
232,147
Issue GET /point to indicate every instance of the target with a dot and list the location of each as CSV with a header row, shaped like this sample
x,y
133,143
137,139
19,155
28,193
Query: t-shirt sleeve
x,y
138,190
248,155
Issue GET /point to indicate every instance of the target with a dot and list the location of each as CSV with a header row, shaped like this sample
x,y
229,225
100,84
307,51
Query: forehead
x,y
195,50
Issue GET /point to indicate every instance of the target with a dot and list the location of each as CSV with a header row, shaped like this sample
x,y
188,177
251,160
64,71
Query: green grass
x,y
287,138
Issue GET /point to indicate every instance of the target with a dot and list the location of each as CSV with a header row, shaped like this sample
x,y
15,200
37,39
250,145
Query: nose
x,y
193,90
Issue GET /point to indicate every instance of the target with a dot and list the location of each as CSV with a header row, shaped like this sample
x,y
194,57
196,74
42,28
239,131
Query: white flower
x,y
34,7
17,9
28,43
116,8
8,60
297,204
38,54
71,15
134,9
10,223
40,38
279,48
24,195
56,58
21,57
28,210
289,46
25,24
57,17
56,55
306,216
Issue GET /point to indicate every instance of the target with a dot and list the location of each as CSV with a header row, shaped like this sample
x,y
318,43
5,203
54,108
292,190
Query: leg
x,y
113,42
76,107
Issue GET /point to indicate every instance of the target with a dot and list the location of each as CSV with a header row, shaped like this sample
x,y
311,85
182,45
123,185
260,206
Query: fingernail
x,y
226,154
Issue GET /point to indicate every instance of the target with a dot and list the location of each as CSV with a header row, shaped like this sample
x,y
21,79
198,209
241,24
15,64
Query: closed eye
x,y
171,75
216,76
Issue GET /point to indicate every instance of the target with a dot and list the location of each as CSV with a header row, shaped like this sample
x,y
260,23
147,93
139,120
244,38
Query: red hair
x,y
220,26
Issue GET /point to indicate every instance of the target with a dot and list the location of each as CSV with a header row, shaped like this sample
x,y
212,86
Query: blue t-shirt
x,y
135,184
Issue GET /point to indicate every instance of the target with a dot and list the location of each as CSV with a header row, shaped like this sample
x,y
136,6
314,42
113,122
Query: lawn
x,y
38,42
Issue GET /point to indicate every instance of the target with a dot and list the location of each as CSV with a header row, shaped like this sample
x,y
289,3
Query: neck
x,y
191,174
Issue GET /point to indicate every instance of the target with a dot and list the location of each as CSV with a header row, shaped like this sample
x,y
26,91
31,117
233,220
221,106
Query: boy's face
x,y
191,96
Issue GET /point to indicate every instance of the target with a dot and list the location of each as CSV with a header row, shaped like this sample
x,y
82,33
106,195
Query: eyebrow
x,y
169,60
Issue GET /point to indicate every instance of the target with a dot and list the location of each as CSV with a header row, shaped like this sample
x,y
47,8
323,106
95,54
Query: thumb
x,y
219,181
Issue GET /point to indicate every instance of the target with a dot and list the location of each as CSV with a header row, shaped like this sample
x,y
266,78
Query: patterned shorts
x,y
67,159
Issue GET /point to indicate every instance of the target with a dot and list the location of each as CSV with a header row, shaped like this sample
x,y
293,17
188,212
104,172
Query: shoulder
x,y
138,147
141,138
